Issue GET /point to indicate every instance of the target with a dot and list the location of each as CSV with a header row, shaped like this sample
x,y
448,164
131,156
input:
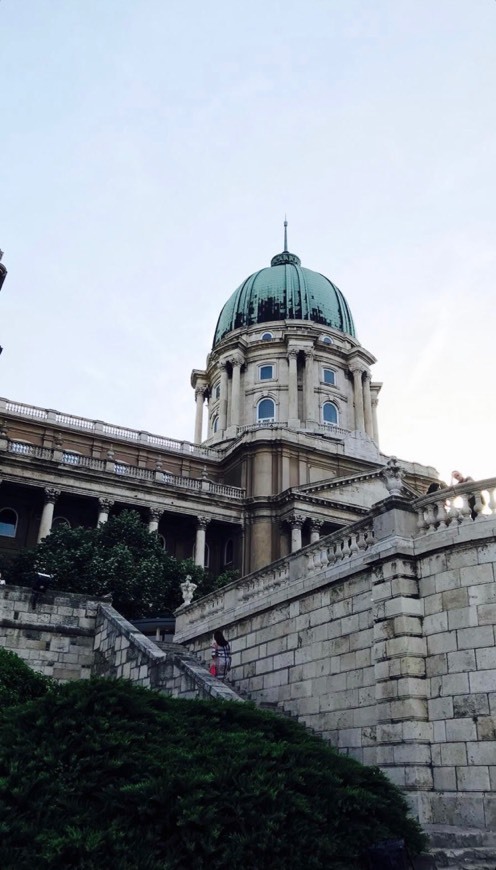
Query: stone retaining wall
x,y
122,651
382,638
55,637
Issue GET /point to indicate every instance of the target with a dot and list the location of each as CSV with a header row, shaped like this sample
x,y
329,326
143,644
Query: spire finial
x,y
285,233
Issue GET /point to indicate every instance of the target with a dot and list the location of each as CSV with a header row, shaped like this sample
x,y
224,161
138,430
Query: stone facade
x,y
382,638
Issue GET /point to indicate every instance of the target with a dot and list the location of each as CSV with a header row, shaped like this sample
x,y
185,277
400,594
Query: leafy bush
x,y
105,774
18,683
120,557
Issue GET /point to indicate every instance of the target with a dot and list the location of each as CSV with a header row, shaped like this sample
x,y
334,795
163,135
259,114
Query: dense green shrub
x,y
102,774
18,683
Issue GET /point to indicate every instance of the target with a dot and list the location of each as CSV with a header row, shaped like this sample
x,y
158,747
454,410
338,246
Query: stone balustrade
x,y
455,505
122,469
98,427
340,545
282,580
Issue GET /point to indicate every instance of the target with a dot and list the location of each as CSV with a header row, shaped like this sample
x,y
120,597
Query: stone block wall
x,y
459,597
121,651
70,637
55,637
313,656
383,639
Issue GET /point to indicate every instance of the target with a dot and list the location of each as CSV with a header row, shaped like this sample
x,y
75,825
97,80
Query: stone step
x,y
455,837
473,858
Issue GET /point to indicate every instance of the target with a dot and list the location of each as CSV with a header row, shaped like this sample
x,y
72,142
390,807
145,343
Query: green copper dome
x,y
285,291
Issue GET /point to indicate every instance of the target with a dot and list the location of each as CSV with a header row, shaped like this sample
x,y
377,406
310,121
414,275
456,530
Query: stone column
x,y
367,405
199,398
51,496
296,522
155,514
375,402
201,534
309,393
223,397
358,397
292,386
315,527
236,391
104,505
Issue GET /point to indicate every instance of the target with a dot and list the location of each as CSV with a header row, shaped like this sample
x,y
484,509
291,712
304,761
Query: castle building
x,y
287,450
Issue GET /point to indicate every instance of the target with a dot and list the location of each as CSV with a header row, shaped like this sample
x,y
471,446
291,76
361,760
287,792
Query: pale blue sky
x,y
150,148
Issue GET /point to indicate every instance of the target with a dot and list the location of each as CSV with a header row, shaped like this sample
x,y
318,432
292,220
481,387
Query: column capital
x,y
367,375
293,352
202,522
296,521
223,365
316,525
355,368
200,391
374,399
309,352
236,360
105,504
155,514
51,495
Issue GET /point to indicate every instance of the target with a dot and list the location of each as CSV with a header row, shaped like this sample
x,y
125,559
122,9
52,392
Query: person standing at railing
x,y
457,478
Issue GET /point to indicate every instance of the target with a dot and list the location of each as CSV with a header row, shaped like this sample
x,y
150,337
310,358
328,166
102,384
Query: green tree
x,y
120,557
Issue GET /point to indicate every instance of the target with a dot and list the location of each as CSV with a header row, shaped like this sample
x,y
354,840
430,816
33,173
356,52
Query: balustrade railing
x,y
76,460
116,432
465,502
340,545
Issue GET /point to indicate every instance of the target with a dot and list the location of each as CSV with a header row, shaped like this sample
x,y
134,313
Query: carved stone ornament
x,y
105,504
51,495
316,525
296,521
392,475
187,589
155,514
203,522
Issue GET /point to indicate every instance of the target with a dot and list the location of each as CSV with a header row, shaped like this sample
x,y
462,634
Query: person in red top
x,y
221,655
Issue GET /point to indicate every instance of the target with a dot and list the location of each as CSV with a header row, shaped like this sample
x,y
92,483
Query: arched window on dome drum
x,y
61,522
215,423
8,523
162,542
266,411
329,413
267,336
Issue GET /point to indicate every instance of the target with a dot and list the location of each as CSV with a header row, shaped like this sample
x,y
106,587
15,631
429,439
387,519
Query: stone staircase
x,y
460,848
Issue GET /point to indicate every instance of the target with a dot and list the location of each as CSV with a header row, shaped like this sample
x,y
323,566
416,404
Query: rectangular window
x,y
266,373
329,376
